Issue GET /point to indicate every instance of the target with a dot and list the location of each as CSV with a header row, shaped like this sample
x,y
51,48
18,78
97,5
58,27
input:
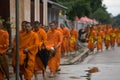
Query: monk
x,y
93,32
53,44
4,44
23,26
22,32
61,36
118,37
91,41
99,40
107,38
66,39
104,27
87,32
112,37
95,27
46,28
42,35
73,39
102,33
28,49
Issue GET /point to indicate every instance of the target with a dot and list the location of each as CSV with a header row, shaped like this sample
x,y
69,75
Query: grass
x,y
81,50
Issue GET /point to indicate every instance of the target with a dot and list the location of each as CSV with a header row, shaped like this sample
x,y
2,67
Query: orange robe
x,y
118,37
91,40
66,38
4,44
22,33
95,27
53,39
42,35
102,34
112,38
91,43
94,34
73,39
107,39
104,28
99,40
59,56
59,29
30,41
4,41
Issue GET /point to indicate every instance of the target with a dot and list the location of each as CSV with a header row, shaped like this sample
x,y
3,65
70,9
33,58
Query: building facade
x,y
44,11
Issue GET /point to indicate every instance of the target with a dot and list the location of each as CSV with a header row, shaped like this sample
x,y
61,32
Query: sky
x,y
113,6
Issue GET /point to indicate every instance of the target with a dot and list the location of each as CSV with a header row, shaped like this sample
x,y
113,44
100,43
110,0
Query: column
x,y
27,9
12,16
45,12
21,12
37,10
49,15
54,14
24,13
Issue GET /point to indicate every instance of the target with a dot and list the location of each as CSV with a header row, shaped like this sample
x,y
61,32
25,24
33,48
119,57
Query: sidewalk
x,y
75,56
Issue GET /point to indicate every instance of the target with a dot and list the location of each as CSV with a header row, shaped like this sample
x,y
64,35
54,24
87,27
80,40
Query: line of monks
x,y
99,34
34,38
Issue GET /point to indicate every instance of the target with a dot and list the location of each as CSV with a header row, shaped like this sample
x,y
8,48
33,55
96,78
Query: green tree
x,y
81,8
102,16
90,8
116,20
95,4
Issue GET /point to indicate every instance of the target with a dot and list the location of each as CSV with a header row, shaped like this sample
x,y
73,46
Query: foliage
x,y
116,20
6,24
89,8
101,15
79,9
1,19
94,4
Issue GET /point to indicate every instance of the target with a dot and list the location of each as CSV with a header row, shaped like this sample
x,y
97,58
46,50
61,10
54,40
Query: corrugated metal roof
x,y
56,4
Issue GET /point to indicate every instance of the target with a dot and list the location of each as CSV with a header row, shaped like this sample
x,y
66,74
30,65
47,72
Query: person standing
x,y
53,44
73,39
22,32
112,37
99,39
66,40
42,35
91,41
28,49
4,45
118,37
61,38
107,38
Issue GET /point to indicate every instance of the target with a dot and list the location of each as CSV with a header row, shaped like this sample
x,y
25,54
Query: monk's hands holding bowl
x,y
52,49
52,52
25,50
56,47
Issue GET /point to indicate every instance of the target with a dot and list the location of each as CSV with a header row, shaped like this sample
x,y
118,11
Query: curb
x,y
78,58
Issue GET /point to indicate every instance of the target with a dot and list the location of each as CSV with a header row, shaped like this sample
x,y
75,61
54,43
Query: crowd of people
x,y
52,41
102,35
36,39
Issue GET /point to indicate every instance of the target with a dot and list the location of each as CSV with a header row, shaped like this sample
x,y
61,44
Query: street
x,y
108,63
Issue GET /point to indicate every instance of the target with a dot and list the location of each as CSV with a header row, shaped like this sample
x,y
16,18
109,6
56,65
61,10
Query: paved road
x,y
108,62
